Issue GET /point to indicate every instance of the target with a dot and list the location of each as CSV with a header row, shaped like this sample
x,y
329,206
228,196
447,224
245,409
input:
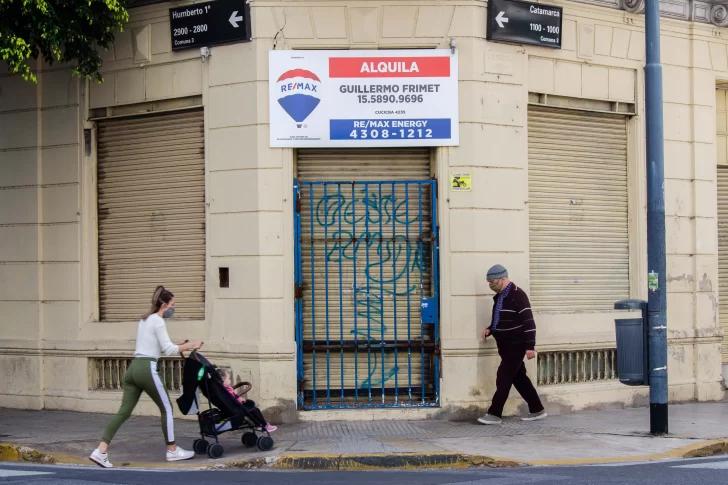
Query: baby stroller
x,y
225,413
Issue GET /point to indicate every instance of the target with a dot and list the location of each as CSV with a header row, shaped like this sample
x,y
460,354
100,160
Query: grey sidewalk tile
x,y
617,431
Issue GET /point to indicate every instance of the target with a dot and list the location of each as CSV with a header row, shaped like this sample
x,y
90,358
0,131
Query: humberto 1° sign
x,y
210,23
524,23
363,98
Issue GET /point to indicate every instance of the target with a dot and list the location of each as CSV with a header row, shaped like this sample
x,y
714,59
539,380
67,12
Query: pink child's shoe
x,y
269,428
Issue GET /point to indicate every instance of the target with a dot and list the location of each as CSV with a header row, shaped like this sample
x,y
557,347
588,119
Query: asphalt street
x,y
673,472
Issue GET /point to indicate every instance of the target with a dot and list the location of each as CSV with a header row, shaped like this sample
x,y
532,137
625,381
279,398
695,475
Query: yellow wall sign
x,y
461,181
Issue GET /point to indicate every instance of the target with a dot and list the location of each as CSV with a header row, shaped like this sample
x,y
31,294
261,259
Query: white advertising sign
x,y
363,98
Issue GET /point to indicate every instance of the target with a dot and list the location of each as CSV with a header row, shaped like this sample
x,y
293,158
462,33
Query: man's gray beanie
x,y
497,272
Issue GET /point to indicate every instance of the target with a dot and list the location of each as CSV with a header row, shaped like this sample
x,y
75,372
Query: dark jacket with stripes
x,y
516,324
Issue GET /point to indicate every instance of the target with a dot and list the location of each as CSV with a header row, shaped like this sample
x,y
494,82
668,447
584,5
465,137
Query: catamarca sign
x,y
525,23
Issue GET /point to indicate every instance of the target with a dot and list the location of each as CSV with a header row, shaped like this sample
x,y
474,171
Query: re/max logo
x,y
299,86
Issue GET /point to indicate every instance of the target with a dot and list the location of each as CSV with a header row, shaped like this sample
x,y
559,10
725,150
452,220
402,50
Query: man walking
x,y
515,334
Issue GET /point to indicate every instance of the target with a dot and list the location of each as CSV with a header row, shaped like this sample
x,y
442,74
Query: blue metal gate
x,y
367,308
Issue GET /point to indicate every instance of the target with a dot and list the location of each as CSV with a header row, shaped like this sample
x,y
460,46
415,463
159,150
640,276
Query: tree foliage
x,y
68,31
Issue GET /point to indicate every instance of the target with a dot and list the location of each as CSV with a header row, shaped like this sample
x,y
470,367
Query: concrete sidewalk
x,y
594,437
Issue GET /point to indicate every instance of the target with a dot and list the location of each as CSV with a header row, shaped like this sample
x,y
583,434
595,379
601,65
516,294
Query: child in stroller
x,y
247,404
225,413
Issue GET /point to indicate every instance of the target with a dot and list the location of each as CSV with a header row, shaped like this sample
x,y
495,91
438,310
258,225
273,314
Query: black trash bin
x,y
632,349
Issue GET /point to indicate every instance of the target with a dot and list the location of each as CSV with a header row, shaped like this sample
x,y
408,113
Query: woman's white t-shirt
x,y
153,339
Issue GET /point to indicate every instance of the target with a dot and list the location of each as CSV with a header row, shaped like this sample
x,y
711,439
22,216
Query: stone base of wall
x,y
467,387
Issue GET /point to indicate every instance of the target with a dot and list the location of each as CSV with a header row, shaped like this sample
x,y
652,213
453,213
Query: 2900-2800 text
x,y
197,29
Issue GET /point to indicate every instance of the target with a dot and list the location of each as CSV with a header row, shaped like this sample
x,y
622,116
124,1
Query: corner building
x,y
164,174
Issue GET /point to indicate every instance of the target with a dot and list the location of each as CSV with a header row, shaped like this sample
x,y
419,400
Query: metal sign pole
x,y
657,297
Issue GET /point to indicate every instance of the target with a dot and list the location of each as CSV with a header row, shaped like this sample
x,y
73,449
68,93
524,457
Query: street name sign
x,y
525,23
210,23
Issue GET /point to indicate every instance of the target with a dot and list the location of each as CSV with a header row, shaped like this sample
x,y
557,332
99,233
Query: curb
x,y
332,462
10,452
705,449
401,461
701,449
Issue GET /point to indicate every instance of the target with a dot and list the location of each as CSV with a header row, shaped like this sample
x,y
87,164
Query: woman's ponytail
x,y
160,297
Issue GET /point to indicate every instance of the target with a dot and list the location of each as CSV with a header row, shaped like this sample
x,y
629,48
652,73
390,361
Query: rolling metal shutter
x,y
344,279
578,212
363,164
151,211
723,256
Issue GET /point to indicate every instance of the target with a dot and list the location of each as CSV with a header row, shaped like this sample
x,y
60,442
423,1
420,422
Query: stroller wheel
x,y
265,443
215,451
250,439
200,446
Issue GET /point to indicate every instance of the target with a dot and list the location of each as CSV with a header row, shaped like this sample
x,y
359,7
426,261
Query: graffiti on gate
x,y
375,378
356,224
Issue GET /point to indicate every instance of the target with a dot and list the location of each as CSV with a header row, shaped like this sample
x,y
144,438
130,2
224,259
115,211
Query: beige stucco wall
x,y
48,301
39,231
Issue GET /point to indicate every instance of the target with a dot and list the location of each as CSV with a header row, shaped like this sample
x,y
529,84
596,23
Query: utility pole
x,y
657,291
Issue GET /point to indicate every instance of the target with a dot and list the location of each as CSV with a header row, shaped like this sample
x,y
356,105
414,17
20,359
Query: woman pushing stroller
x,y
142,375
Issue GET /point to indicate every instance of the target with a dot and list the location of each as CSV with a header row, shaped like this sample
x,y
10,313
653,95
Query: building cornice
x,y
715,13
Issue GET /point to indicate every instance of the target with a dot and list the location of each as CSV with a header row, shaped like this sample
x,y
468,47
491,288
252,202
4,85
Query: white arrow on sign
x,y
234,19
500,19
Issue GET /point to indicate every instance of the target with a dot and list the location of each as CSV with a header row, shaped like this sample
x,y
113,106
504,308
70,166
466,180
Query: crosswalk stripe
x,y
20,473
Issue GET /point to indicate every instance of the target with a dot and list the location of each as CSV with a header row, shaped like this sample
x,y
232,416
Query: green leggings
x,y
141,376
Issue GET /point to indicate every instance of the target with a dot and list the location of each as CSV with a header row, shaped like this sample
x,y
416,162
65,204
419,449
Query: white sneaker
x,y
179,454
101,459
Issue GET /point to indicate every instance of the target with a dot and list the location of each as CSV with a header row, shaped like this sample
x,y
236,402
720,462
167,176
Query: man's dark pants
x,y
512,372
